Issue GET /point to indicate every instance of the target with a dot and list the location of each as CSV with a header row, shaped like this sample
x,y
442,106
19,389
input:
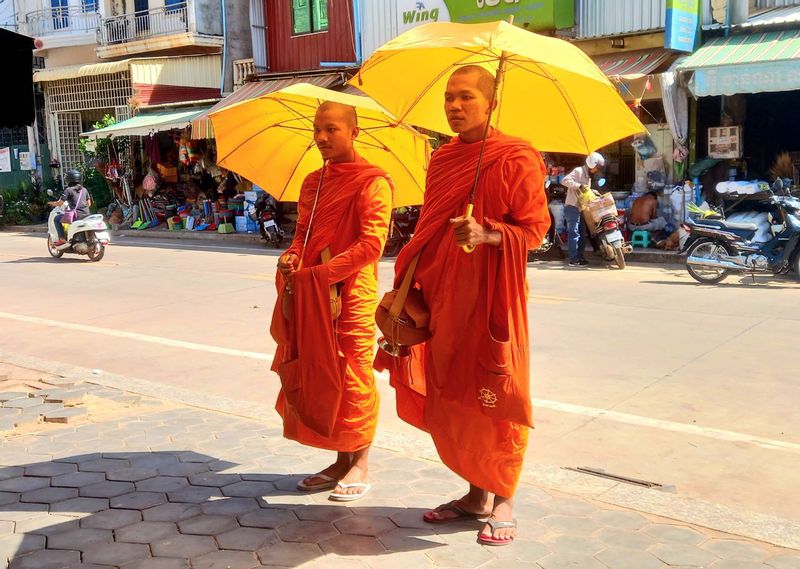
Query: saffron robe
x,y
469,385
352,218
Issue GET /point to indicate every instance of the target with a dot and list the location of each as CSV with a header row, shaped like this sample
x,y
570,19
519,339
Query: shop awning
x,y
746,63
633,64
201,125
145,123
72,71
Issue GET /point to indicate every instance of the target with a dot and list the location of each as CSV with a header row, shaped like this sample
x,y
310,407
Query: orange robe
x,y
352,218
469,385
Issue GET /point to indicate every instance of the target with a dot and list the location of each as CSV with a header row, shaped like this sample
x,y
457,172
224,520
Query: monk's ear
x,y
354,133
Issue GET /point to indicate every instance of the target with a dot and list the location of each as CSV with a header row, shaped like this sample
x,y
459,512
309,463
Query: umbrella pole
x,y
471,202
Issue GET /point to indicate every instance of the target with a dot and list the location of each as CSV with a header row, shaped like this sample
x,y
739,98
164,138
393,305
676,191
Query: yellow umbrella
x,y
270,141
550,93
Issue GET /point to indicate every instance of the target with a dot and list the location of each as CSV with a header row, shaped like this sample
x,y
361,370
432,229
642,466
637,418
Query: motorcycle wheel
x,y
96,251
55,253
620,257
709,249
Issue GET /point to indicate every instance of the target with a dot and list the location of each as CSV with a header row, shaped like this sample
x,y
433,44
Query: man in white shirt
x,y
576,229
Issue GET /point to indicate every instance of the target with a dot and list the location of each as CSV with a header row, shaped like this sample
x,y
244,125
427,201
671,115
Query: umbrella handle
x,y
468,213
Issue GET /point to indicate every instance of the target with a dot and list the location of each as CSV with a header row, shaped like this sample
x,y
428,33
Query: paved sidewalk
x,y
140,483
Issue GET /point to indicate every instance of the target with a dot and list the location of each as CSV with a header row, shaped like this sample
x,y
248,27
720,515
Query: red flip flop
x,y
496,525
452,506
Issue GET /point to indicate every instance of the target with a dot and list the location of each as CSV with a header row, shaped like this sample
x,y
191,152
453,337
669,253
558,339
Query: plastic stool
x,y
640,238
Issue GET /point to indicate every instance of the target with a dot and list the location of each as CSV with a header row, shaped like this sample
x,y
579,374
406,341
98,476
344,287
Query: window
x,y
89,6
60,12
174,5
309,16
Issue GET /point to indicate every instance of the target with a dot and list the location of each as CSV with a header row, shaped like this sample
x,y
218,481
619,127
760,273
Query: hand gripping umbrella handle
x,y
468,213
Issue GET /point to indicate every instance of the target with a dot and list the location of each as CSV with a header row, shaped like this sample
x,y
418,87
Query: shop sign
x,y
531,14
760,77
5,160
27,161
683,25
725,142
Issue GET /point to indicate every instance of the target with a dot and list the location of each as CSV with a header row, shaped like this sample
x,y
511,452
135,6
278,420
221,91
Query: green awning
x,y
746,63
145,123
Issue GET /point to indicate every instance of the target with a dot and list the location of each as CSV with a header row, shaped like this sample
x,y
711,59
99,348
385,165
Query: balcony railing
x,y
242,69
63,19
145,24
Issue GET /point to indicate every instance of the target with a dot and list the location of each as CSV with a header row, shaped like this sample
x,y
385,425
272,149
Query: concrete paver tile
x,y
683,554
617,519
781,561
49,469
466,557
7,472
23,484
249,489
365,525
618,558
107,489
289,554
138,500
18,544
24,403
569,507
171,512
79,539
103,465
48,495
183,546
738,564
574,545
116,553
183,468
81,458
19,511
511,564
558,561
226,560
133,474
230,506
269,518
192,456
307,532
333,561
323,513
77,479
193,494
731,549
402,560
162,484
80,505
159,563
45,559
46,524
247,539
674,533
574,525
112,519
407,539
146,532
8,498
410,518
213,479
7,527
207,525
624,538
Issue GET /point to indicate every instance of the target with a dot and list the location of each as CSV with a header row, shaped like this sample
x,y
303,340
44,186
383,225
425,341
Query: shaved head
x,y
484,81
341,111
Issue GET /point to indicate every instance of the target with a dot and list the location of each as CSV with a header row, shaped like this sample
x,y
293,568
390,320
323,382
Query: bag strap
x,y
405,286
311,219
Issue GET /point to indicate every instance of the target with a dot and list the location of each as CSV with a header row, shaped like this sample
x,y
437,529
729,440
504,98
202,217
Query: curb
x,y
735,521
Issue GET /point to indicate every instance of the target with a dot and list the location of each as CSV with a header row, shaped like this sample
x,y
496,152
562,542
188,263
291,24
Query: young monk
x,y
351,221
475,368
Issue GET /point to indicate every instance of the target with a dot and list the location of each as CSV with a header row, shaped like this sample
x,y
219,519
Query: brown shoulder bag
x,y
402,315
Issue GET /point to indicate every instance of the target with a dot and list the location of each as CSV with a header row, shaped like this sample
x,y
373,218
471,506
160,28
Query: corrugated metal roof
x,y
187,70
744,49
614,17
633,64
201,125
72,71
774,17
145,123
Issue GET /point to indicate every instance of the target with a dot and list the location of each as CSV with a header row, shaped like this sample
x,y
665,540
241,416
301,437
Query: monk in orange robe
x,y
335,404
469,385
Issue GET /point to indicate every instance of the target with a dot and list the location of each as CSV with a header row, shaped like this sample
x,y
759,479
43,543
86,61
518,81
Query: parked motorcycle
x,y
401,229
87,236
606,231
265,214
715,247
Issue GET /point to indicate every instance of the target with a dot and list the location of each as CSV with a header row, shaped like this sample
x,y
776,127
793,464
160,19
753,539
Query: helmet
x,y
73,177
595,160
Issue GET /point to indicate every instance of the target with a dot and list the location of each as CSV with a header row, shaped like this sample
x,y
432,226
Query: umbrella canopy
x,y
551,94
270,141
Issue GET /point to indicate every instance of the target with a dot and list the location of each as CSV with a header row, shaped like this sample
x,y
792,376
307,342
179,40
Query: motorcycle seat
x,y
721,224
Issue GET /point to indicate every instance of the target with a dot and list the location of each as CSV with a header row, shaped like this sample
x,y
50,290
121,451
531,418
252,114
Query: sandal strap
x,y
497,524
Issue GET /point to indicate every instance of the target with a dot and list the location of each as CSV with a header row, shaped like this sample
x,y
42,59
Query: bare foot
x,y
502,512
469,504
355,474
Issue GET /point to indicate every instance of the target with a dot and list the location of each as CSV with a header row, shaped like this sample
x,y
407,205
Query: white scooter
x,y
87,236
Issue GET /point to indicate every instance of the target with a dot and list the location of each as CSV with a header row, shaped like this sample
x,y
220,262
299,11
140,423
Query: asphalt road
x,y
640,372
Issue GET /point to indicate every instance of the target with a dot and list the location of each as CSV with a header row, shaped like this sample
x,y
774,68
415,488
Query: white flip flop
x,y
327,483
350,497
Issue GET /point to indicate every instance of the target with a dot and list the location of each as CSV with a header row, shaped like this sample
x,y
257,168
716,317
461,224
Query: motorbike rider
x,y
576,228
76,196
